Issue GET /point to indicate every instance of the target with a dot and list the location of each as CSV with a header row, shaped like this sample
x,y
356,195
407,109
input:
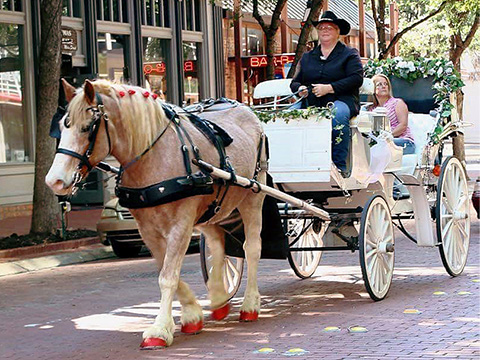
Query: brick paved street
x,y
98,310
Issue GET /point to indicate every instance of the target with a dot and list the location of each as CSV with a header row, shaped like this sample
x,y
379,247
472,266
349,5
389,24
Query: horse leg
x,y
215,239
192,315
251,211
161,333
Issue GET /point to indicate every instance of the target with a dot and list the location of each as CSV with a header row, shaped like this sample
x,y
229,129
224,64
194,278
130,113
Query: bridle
x,y
98,114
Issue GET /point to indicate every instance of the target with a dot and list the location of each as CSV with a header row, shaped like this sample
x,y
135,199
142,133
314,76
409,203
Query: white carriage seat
x,y
277,88
367,88
420,125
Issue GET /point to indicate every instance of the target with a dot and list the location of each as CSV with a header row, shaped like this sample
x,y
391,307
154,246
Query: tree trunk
x,y
270,31
315,10
45,204
270,51
457,47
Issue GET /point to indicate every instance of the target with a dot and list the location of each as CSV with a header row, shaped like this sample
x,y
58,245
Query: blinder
x,y
98,114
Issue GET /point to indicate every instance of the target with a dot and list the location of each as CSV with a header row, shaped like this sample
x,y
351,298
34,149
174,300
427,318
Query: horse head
x,y
86,136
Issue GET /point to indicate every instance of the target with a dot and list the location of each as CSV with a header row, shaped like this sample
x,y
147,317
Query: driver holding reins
x,y
332,72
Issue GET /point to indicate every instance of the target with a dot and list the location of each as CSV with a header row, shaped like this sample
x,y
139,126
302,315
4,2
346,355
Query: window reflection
x,y
191,68
155,65
112,52
12,123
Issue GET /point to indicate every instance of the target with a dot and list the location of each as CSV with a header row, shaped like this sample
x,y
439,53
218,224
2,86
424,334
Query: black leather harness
x,y
199,183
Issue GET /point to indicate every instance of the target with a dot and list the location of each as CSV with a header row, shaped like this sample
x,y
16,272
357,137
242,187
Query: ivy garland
x,y
327,112
446,80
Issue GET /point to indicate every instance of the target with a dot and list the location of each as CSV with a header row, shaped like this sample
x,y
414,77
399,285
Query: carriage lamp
x,y
436,170
380,120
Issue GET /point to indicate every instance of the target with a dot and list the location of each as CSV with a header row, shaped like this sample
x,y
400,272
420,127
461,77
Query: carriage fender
x,y
421,210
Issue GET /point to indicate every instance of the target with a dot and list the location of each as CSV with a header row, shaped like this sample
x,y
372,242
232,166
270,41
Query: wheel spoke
x,y
370,253
446,229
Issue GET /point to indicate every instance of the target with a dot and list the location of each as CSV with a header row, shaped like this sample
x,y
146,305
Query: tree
x,y
45,204
463,20
315,8
379,13
269,30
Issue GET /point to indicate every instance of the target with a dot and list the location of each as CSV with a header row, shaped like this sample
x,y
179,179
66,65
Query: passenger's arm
x,y
401,110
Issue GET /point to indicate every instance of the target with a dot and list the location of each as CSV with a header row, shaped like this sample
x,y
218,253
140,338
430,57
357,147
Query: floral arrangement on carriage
x,y
438,74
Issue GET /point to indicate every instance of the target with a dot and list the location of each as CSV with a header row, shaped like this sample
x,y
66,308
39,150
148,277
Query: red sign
x,y
159,68
278,60
188,66
155,68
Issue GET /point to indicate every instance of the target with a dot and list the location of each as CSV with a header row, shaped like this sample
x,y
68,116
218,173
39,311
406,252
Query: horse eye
x,y
85,129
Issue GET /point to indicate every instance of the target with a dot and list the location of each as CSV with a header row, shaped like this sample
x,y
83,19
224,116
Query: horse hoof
x,y
248,316
192,328
221,313
152,344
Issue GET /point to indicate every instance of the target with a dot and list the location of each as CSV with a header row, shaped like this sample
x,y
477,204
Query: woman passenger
x,y
397,112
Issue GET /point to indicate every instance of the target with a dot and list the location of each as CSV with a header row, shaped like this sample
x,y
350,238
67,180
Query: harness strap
x,y
83,158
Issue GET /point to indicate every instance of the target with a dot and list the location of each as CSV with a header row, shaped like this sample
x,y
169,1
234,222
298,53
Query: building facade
x,y
172,47
252,40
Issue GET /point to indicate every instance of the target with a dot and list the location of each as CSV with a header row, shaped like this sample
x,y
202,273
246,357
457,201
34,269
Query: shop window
x,y
191,72
253,43
191,15
156,65
72,8
11,5
293,42
13,128
112,10
113,57
155,13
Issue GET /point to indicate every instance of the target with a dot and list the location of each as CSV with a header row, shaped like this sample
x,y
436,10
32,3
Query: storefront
x,y
169,46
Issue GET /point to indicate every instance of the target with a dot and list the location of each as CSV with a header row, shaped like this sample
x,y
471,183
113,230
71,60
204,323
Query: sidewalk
x,y
39,257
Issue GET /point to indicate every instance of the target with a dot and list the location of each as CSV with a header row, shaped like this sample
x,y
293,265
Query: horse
x,y
138,129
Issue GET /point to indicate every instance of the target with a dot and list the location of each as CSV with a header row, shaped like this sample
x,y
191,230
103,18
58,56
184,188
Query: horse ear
x,y
68,89
89,91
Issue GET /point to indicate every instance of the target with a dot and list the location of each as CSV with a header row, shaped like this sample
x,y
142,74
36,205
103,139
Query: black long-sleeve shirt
x,y
342,69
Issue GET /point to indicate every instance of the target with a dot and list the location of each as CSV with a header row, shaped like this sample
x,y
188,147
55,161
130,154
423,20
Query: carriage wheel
x,y
304,263
452,216
376,245
232,269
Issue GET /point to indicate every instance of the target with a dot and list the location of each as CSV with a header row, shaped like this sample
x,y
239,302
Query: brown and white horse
x,y
135,118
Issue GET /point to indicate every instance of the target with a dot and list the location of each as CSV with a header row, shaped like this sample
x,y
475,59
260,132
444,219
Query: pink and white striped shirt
x,y
390,105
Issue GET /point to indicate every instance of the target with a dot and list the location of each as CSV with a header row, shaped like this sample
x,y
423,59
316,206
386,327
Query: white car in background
x,y
118,228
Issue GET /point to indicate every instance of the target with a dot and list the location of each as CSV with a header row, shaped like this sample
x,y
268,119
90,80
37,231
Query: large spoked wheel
x,y
232,269
376,246
452,216
304,233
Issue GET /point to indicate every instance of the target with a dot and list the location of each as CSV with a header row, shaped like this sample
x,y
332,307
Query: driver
x,y
332,72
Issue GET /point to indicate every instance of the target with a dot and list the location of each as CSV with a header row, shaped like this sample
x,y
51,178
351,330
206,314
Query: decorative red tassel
x,y
154,96
121,93
131,92
146,94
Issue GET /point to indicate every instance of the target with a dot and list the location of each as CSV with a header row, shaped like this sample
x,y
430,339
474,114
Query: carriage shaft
x,y
255,186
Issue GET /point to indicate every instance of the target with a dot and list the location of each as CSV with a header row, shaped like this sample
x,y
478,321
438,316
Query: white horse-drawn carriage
x,y
357,211
310,207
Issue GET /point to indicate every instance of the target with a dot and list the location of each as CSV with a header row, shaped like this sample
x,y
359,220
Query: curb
x,y
41,249
95,252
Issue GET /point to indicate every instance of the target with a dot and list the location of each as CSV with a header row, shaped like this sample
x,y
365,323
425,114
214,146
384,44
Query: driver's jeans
x,y
340,135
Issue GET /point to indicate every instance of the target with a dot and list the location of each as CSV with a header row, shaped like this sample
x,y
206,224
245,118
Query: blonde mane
x,y
141,116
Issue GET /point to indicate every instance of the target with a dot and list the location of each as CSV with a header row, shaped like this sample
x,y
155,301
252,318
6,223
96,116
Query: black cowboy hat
x,y
329,16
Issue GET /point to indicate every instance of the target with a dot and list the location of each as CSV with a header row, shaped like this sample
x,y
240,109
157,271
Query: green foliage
x,y
266,116
327,112
446,80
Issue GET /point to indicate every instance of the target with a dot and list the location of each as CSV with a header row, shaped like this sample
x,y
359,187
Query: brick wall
x,y
15,210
